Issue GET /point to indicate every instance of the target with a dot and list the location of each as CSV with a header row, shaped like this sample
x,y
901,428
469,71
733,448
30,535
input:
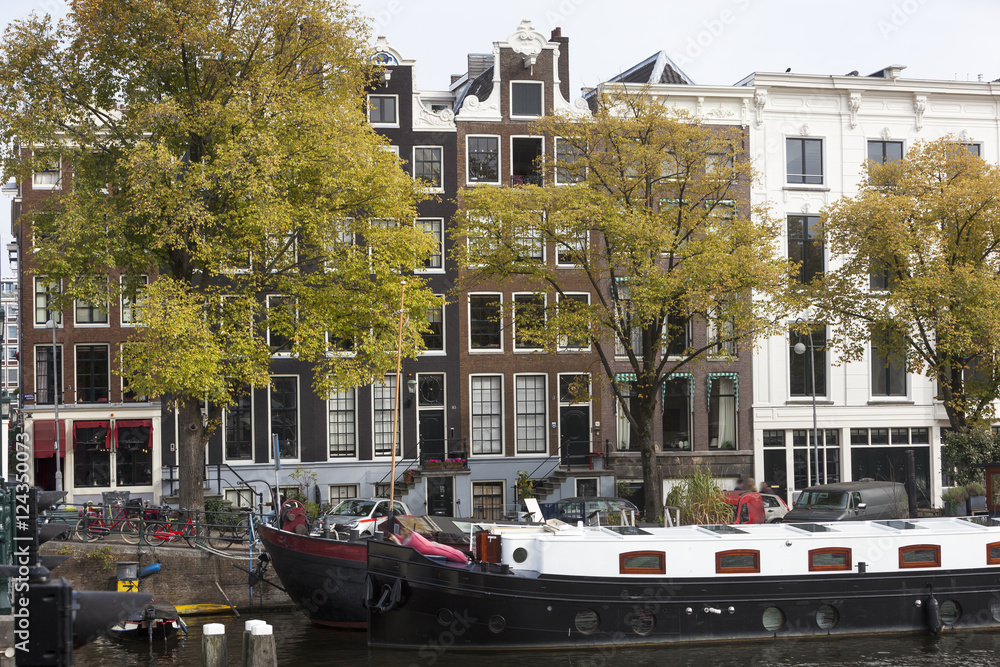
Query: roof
x,y
481,87
658,68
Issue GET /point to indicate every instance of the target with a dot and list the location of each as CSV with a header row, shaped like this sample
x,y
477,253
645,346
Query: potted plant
x,y
408,476
954,498
433,464
454,464
524,484
976,497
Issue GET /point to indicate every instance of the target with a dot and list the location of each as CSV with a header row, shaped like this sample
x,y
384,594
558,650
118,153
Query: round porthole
x,y
520,555
950,612
643,621
995,609
773,619
445,617
497,623
827,617
587,621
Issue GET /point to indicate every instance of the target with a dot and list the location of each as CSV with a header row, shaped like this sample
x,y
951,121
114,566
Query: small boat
x,y
158,621
561,585
203,609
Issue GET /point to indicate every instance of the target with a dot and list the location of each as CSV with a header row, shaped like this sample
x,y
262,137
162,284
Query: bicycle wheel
x,y
149,533
90,528
193,534
67,530
219,537
131,531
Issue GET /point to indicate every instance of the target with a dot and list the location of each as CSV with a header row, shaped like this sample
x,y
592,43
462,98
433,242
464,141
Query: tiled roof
x,y
658,68
481,87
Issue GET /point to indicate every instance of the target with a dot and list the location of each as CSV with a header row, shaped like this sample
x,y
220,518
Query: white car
x,y
774,507
365,515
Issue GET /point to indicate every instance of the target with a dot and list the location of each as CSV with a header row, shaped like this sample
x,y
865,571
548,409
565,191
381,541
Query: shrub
x,y
700,499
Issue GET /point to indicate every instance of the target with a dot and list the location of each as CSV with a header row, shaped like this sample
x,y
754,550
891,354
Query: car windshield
x,y
823,499
353,508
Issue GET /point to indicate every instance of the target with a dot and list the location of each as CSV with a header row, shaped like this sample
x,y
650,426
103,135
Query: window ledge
x,y
890,401
803,187
808,401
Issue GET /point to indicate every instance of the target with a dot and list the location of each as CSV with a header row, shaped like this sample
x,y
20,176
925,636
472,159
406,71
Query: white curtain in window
x,y
624,430
727,411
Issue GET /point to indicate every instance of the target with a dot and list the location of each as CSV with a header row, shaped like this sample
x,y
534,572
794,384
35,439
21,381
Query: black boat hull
x,y
437,605
324,577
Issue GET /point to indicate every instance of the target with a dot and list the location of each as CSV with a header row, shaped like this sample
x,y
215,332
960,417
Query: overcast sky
x,y
715,42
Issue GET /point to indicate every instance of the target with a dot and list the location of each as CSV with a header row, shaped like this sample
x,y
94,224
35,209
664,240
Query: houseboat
x,y
558,585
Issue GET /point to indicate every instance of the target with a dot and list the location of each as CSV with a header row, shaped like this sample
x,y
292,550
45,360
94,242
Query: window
x,y
44,293
574,315
340,492
677,332
530,413
428,166
131,309
434,227
483,159
128,396
829,560
722,400
627,435
920,555
879,279
382,110
803,366
279,322
240,497
525,153
721,332
383,411
804,160
804,455
487,501
46,373
973,149
571,247
88,313
526,98
91,454
530,247
677,413
569,165
434,339
642,562
484,322
343,424
238,427
805,246
737,561
882,152
529,315
993,553
487,414
48,176
134,452
888,364
284,402
92,373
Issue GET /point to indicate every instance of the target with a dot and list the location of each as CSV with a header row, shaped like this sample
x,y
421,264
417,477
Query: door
x,y
574,430
430,416
441,496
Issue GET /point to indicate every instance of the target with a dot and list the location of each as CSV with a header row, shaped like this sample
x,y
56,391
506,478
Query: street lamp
x,y
56,381
800,349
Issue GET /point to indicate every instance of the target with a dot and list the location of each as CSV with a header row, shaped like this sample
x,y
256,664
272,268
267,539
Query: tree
x,y
220,147
919,273
659,230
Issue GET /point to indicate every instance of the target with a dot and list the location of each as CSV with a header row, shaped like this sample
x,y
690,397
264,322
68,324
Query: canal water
x,y
301,644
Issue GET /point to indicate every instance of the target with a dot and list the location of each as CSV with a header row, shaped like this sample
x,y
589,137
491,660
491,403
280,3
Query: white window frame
x,y
473,377
440,149
352,489
510,146
823,184
225,415
77,303
555,177
55,315
76,371
126,307
298,420
444,335
545,415
353,411
368,113
439,237
375,387
499,324
541,102
56,185
468,171
585,239
563,340
513,319
279,353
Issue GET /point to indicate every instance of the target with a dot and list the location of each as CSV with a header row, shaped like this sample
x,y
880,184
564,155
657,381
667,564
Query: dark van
x,y
850,501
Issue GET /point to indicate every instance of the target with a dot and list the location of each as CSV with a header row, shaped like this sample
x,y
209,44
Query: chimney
x,y
563,42
479,63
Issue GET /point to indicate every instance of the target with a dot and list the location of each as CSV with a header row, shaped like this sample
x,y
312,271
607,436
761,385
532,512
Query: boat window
x,y
723,529
920,555
642,562
829,559
627,530
587,621
899,525
811,527
993,553
737,560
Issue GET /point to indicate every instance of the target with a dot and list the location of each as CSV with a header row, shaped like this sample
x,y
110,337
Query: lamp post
x,y
800,348
51,324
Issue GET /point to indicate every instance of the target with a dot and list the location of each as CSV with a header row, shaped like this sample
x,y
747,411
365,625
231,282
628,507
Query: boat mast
x,y
395,407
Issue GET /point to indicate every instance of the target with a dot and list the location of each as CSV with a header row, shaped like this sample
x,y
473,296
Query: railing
x,y
526,179
454,450
584,453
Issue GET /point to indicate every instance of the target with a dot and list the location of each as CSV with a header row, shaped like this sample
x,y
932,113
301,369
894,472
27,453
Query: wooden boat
x,y
203,609
158,621
561,585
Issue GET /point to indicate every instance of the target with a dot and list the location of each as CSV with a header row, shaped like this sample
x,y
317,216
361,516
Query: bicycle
x,y
157,533
93,525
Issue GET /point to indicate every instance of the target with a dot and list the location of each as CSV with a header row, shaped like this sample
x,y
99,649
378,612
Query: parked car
x,y
592,511
850,501
748,507
365,515
774,507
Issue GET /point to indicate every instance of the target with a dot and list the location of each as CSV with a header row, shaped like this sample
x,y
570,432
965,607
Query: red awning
x,y
45,438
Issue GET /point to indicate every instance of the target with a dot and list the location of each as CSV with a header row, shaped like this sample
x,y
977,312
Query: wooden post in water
x,y
247,631
261,652
213,645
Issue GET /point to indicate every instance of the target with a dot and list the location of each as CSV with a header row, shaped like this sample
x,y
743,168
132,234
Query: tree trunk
x,y
651,482
190,454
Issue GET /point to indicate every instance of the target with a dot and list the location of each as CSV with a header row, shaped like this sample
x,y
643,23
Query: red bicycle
x,y
157,533
95,525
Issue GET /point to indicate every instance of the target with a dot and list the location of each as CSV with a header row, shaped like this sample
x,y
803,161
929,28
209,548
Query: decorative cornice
x,y
853,104
425,119
919,107
526,40
759,100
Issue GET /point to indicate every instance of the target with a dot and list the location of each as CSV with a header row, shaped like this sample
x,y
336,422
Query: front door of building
x,y
574,431
441,496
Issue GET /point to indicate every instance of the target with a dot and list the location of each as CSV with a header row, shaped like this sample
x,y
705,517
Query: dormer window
x,y
525,99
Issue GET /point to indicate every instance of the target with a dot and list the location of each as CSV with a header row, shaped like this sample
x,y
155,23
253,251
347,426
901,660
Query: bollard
x,y
261,652
213,645
247,631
